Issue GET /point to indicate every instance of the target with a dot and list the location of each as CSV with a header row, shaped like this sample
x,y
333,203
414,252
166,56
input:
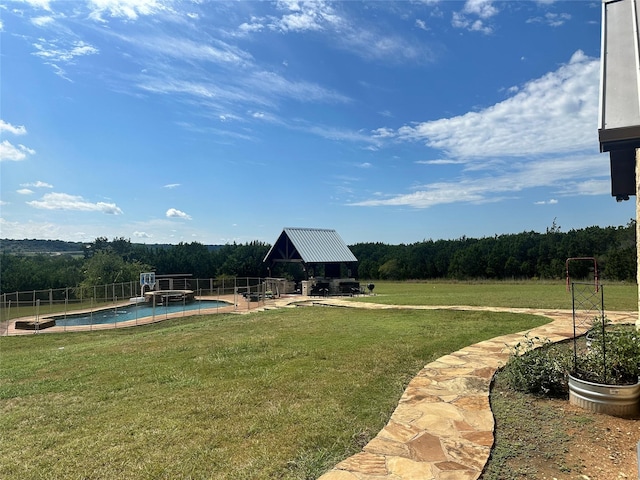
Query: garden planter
x,y
616,400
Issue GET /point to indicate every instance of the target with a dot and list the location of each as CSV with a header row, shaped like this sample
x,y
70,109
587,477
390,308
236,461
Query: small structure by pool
x,y
160,297
329,267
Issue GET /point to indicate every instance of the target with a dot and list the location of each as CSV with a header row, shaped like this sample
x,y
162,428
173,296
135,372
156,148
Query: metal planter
x,y
616,400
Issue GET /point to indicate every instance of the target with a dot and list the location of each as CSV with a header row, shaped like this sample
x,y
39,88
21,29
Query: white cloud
x,y
552,114
441,161
45,230
216,51
37,184
568,176
127,9
321,17
42,21
52,52
171,185
64,201
142,235
175,213
483,9
587,187
254,26
15,130
551,19
375,45
11,152
43,4
304,16
383,132
24,191
270,83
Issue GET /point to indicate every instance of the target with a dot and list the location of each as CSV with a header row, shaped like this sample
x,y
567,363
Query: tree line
x,y
524,255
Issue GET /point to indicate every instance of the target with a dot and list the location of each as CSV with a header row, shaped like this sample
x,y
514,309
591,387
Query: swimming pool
x,y
127,313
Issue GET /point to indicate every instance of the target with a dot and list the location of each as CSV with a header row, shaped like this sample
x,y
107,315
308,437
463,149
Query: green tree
x,y
105,268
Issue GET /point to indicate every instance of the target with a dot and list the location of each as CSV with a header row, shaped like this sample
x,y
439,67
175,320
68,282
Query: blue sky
x,y
169,121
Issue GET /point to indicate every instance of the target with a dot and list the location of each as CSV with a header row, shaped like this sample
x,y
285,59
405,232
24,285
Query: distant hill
x,y
60,247
42,247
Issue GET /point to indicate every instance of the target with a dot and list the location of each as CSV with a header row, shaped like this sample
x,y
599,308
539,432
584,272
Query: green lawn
x,y
531,294
280,394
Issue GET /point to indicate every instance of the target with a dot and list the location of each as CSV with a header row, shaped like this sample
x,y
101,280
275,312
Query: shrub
x,y
614,359
538,367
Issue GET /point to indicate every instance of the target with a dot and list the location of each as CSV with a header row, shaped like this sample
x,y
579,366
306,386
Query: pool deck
x,y
442,428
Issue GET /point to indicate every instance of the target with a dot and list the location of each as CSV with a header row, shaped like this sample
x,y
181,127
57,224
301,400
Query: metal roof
x,y
619,123
310,245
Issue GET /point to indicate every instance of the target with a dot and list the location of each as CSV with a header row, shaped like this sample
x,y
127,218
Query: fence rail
x,y
63,301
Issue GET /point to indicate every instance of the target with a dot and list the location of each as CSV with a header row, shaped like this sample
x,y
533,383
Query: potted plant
x,y
605,370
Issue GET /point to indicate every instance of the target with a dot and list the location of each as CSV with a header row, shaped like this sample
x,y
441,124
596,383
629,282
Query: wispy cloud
x,y
64,201
551,19
440,161
126,9
59,53
42,4
42,21
567,176
324,18
213,50
171,185
52,52
296,17
37,184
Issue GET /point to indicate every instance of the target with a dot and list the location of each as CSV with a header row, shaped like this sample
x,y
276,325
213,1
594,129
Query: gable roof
x,y
310,245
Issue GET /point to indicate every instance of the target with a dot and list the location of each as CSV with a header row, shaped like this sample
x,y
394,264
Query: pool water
x,y
135,311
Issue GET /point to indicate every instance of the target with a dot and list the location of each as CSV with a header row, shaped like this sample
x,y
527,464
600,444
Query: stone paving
x,y
442,428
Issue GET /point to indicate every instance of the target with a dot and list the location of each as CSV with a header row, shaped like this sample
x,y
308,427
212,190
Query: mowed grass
x,y
282,394
526,294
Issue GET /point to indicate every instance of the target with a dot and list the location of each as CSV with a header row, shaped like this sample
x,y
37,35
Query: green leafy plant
x,y
612,355
538,367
